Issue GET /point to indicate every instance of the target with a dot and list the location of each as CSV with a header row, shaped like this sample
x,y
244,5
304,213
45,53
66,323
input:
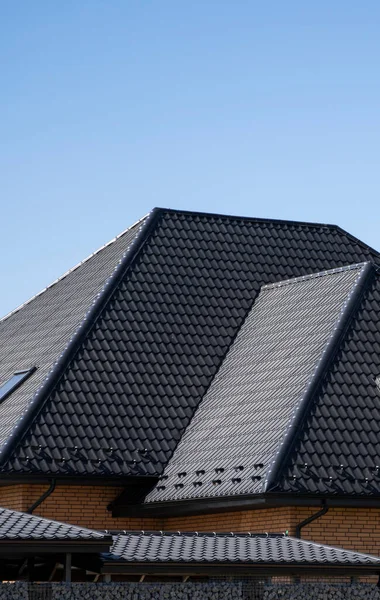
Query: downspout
x,y
312,518
41,499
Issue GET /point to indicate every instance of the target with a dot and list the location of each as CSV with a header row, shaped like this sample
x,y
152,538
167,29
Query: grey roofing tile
x,y
37,332
226,548
255,395
16,525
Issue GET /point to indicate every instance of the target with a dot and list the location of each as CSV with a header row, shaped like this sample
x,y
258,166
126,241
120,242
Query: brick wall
x,y
256,521
79,505
351,528
12,497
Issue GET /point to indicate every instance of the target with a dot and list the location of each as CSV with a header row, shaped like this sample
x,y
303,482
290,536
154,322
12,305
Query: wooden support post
x,y
31,569
68,567
52,574
107,578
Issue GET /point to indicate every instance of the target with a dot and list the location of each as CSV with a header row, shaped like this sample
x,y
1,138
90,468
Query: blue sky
x,y
109,108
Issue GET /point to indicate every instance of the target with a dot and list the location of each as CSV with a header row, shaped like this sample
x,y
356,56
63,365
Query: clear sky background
x,y
108,108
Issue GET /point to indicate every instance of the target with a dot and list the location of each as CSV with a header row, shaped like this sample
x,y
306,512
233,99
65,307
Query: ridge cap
x,y
295,280
71,270
273,221
299,413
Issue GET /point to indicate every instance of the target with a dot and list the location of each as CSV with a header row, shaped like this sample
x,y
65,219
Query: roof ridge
x,y
299,412
293,280
71,270
47,386
315,225
206,214
268,220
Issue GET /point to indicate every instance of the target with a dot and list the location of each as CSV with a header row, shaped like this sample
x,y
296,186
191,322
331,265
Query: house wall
x,y
255,521
12,497
351,528
79,505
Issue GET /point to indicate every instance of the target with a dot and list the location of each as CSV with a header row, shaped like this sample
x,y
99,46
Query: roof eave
x,y
48,546
196,568
196,506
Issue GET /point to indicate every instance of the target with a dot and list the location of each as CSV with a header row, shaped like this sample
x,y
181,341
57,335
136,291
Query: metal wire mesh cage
x,y
222,588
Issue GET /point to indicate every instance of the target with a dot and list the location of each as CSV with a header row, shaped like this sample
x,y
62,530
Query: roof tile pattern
x,y
16,525
36,333
339,447
232,440
124,401
227,548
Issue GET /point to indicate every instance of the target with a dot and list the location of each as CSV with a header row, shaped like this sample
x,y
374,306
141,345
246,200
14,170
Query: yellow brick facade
x,y
351,528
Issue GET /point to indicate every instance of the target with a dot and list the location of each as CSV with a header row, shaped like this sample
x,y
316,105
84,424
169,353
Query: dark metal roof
x,y
338,449
224,548
37,333
232,445
128,385
16,525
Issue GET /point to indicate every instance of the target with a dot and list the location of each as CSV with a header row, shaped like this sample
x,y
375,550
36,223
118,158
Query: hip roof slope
x,y
149,355
233,443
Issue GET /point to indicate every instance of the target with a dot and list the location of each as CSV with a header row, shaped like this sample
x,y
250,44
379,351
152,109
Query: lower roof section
x,y
22,530
230,548
21,533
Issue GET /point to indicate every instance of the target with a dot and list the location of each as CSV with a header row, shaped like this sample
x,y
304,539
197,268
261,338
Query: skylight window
x,y
13,382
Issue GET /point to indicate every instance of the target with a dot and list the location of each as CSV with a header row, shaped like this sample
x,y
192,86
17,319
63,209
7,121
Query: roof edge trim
x,y
209,505
47,386
298,414
69,271
293,280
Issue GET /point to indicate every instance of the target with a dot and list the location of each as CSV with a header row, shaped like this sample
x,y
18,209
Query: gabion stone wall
x,y
321,591
147,591
188,591
14,591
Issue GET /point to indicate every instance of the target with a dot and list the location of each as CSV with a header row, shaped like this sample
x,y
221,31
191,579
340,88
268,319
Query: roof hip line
x,y
287,443
89,320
